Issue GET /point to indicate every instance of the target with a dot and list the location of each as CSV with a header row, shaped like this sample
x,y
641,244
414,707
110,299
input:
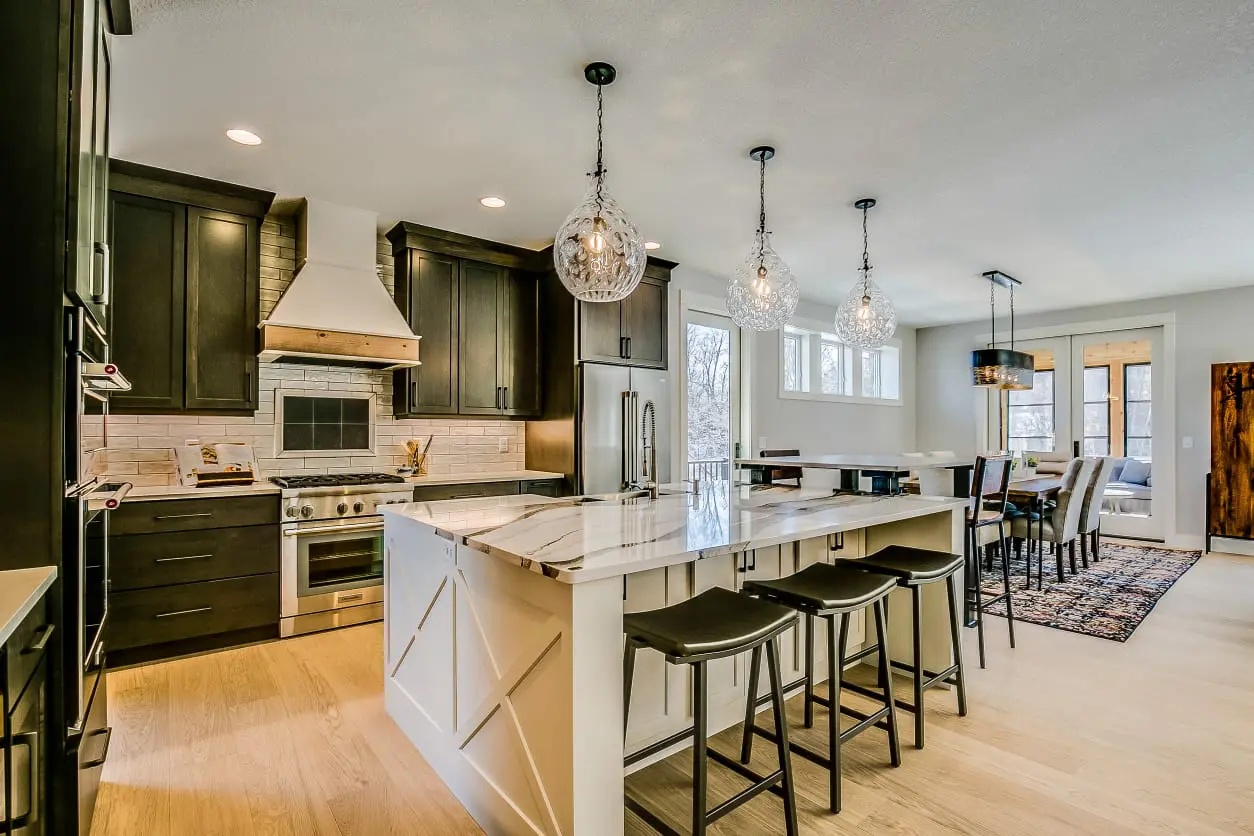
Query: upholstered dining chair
x,y
1061,524
1091,522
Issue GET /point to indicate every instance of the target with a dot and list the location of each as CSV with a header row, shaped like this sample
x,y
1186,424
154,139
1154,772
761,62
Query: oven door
x,y
327,565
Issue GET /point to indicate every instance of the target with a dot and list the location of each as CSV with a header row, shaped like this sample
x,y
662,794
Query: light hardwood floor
x,y
1066,735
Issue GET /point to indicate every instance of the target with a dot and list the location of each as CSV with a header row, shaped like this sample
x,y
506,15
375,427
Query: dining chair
x,y
1091,522
1060,525
986,529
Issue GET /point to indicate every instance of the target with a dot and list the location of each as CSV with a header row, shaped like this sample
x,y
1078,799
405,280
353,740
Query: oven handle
x,y
333,529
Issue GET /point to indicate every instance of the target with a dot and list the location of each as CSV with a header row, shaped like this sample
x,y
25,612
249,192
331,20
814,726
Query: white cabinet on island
x,y
503,622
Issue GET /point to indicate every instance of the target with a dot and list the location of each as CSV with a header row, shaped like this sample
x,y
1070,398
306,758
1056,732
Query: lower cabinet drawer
x,y
433,493
170,613
542,487
26,646
139,561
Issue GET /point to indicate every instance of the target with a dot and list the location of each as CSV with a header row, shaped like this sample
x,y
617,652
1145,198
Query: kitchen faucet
x,y
648,430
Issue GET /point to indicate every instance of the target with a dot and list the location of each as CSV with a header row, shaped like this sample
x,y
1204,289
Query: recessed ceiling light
x,y
243,137
652,245
492,202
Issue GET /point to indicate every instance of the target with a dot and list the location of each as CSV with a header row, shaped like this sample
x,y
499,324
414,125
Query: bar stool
x,y
912,569
712,625
831,592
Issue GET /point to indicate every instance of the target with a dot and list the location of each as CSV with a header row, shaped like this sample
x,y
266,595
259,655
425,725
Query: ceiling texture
x,y
1097,151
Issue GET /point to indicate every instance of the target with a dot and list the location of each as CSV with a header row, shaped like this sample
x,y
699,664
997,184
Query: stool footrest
x,y
765,699
663,744
932,679
869,650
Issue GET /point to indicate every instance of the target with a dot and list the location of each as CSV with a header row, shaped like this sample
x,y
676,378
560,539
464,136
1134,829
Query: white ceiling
x,y
1098,151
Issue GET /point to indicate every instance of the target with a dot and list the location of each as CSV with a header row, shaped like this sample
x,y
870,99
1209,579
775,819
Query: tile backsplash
x,y
140,446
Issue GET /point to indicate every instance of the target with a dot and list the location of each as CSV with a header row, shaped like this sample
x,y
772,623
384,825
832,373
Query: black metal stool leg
x,y
886,679
916,596
629,670
781,730
699,778
978,589
960,683
1005,575
746,743
809,671
835,673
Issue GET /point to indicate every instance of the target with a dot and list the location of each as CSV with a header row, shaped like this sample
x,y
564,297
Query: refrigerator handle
x,y
624,440
634,435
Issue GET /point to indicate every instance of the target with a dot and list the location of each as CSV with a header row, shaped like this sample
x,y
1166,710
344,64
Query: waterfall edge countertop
x,y
575,540
20,590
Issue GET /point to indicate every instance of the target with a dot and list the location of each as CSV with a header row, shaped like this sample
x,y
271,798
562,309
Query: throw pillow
x,y
1135,472
1117,470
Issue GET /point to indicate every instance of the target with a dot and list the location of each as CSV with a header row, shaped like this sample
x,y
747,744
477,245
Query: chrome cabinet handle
x,y
182,612
106,269
40,643
341,599
333,528
183,557
504,397
183,516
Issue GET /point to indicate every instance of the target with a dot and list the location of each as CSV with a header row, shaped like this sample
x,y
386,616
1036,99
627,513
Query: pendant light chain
x,y
600,170
762,196
866,251
992,312
1012,317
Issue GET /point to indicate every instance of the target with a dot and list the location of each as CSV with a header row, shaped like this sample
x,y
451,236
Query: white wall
x,y
810,426
1212,327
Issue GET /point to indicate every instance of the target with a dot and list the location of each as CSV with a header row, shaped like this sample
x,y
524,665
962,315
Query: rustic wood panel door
x,y
1231,501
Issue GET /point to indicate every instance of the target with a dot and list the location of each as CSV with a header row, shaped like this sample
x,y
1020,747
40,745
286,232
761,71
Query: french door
x,y
712,395
1096,395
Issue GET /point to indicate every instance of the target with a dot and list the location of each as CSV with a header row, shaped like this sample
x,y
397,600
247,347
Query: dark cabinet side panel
x,y
644,324
222,298
481,339
522,366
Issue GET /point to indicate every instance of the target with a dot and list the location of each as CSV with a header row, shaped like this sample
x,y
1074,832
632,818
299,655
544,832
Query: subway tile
x,y
157,467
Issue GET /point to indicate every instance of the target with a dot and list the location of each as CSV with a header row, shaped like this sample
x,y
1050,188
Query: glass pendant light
x,y
866,319
1001,368
763,294
598,252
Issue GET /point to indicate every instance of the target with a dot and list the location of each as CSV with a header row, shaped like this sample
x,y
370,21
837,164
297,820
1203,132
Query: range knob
x,y
342,508
291,511
358,507
306,511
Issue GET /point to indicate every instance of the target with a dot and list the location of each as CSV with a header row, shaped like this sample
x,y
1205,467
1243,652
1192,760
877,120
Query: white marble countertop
x,y
19,592
862,461
575,542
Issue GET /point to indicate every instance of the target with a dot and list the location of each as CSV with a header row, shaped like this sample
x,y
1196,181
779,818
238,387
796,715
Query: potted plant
x,y
1029,465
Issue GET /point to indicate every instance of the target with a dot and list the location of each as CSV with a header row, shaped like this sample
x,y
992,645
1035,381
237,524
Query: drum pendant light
x,y
598,252
1001,368
763,294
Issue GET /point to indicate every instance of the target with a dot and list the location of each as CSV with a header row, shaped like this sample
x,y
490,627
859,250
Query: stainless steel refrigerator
x,y
611,436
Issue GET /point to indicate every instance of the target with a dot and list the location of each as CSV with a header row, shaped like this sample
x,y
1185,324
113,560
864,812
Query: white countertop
x,y
19,592
574,542
862,461
153,492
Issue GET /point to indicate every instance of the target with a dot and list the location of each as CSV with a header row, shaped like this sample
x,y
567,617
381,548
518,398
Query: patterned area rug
x,y
1109,599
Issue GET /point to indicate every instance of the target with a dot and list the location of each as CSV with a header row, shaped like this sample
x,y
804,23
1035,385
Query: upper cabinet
x,y
186,290
631,332
475,304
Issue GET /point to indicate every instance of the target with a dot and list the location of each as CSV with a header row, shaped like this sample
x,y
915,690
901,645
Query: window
x,y
1138,424
815,365
312,424
1030,415
1097,411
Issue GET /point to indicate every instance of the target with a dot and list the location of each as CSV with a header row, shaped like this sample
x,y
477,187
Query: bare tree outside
x,y
709,401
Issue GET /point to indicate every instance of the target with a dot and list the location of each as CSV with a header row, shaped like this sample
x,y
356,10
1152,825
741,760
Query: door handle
x,y
504,397
106,269
182,612
413,394
183,516
622,348
40,643
344,599
183,557
628,348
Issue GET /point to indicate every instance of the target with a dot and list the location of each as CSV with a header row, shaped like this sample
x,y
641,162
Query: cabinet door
x,y
481,338
223,287
147,313
26,753
84,272
644,324
429,294
521,375
600,332
103,264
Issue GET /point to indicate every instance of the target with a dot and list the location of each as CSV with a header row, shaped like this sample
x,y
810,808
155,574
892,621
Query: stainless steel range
x,y
332,566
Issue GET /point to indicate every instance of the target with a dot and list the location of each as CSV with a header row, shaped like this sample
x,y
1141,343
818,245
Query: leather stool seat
x,y
824,587
911,565
714,623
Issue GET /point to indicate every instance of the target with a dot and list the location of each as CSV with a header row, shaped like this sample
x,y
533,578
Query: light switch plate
x,y
1187,442
762,442
502,445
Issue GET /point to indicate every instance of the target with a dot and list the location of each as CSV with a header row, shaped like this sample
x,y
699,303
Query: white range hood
x,y
336,311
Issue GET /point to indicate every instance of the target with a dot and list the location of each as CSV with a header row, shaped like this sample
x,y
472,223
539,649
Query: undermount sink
x,y
610,497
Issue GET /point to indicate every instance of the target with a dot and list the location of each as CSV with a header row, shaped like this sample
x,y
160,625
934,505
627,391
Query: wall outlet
x,y
762,445
502,445
1187,442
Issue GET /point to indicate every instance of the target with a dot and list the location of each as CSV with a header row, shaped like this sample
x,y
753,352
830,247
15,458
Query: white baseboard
x,y
1229,545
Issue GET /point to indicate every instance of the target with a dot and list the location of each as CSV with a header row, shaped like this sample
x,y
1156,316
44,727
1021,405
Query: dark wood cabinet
x,y
631,332
223,292
186,273
427,292
25,739
476,306
148,267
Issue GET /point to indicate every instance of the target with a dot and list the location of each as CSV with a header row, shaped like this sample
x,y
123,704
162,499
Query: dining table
x,y
884,469
1034,493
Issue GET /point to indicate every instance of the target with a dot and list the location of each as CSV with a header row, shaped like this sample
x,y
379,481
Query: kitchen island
x,y
503,628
